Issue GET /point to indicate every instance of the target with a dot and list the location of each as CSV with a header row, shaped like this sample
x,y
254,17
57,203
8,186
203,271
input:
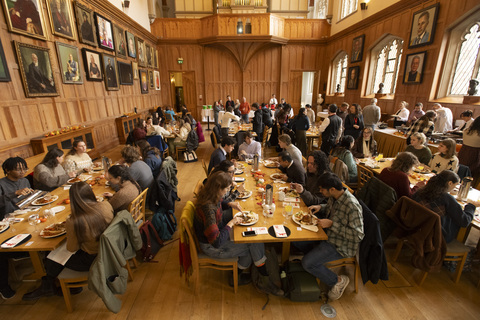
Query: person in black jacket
x,y
301,126
294,171
257,121
267,116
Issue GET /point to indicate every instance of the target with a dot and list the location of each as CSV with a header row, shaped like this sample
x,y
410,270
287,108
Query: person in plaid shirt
x,y
424,125
342,220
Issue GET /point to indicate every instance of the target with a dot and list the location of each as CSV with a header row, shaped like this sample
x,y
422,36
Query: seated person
x,y
343,153
418,148
14,187
49,174
151,155
154,129
181,136
467,117
170,114
214,235
294,171
249,148
401,115
88,220
140,131
397,175
220,154
128,188
365,146
416,114
227,118
317,164
138,170
285,142
445,158
435,196
342,221
77,159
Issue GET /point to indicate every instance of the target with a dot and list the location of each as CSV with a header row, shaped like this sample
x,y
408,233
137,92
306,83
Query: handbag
x,y
151,241
189,156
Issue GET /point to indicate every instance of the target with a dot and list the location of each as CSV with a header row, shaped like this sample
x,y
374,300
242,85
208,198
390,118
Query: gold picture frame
x,y
60,14
14,13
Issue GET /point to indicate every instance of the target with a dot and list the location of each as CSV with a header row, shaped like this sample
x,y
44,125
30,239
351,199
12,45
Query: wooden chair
x,y
364,174
347,262
180,150
205,167
198,186
69,278
137,208
200,260
304,162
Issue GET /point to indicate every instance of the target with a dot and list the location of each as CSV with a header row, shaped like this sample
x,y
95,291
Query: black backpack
x,y
151,241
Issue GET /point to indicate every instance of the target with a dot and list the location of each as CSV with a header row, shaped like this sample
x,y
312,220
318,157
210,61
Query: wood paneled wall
x,y
24,118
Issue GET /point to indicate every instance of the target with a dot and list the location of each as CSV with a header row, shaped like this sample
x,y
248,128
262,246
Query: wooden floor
x,y
158,292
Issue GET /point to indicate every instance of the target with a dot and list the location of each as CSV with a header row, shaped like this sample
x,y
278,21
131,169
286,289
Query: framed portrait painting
x,y
35,66
352,77
142,59
69,62
414,64
156,59
125,73
61,18
132,49
156,75
150,79
4,73
120,42
104,32
143,74
85,25
357,48
110,71
93,65
424,22
135,70
25,17
148,53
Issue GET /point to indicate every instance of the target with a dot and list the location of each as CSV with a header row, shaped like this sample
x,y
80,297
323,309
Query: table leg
x,y
208,123
285,252
37,266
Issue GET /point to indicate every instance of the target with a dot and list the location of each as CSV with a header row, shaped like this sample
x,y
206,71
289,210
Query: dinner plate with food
x,y
291,193
249,218
304,219
249,161
54,230
99,198
244,195
45,200
240,166
74,180
238,171
271,163
422,169
97,166
277,176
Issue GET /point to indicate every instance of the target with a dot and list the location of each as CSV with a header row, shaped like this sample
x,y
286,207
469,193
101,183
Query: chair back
x,y
265,135
364,174
192,241
213,138
137,208
198,187
205,167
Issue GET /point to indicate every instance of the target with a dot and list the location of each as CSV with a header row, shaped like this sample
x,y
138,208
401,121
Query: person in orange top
x,y
244,109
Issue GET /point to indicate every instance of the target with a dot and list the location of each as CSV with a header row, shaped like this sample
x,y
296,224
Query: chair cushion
x,y
457,247
204,256
72,274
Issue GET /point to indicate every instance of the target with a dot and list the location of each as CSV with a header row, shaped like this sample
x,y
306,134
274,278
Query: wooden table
x,y
387,162
253,204
312,135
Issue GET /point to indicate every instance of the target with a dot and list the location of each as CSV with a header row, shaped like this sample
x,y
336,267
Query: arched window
x,y
348,7
339,74
386,57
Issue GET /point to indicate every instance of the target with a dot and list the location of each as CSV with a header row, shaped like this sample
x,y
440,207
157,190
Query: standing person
x,y
418,148
128,189
353,123
342,221
229,103
285,142
469,154
416,114
267,116
342,112
331,129
467,117
365,146
445,158
301,125
444,119
49,174
401,115
138,169
310,114
273,100
294,171
227,117
88,220
214,234
424,125
257,122
371,114
236,110
289,111
220,154
244,109
77,159
344,153
249,148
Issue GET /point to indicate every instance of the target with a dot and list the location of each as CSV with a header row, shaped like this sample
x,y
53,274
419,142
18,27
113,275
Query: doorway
x,y
183,91
307,88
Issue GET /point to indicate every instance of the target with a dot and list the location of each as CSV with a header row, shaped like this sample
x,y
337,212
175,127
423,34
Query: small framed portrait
x,y
104,32
125,73
4,73
69,61
110,71
35,66
132,49
143,74
120,42
93,65
414,67
135,70
156,75
423,26
25,17
357,48
156,59
61,18
148,52
85,25
352,77
150,79
142,58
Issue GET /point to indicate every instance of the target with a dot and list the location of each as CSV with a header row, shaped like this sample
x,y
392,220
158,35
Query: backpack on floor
x,y
165,223
151,241
300,285
273,270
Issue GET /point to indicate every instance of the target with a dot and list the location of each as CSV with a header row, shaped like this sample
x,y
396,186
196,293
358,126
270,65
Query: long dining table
x,y
254,203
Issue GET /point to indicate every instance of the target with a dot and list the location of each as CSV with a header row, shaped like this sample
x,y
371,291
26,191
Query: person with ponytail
x,y
128,188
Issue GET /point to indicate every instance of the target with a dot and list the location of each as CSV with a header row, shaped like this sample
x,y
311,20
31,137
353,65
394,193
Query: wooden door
x,y
190,93
295,90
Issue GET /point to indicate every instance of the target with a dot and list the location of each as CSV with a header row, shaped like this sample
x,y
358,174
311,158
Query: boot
x,y
46,289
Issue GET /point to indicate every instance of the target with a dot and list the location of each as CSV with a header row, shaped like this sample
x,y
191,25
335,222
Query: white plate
x,y
73,180
99,198
270,164
255,220
297,221
37,203
60,233
275,176
249,193
58,209
4,226
238,171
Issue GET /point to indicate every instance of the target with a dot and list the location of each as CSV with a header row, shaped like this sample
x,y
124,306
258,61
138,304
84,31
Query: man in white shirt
x,y
273,100
310,114
249,148
225,120
153,129
444,120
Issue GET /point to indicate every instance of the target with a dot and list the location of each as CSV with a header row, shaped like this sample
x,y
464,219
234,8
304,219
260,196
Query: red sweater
x,y
244,107
399,181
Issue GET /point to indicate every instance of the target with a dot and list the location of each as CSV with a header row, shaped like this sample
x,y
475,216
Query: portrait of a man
x,y
141,53
352,82
149,55
85,25
93,68
120,43
414,63
357,49
72,72
87,29
110,73
37,81
423,26
68,60
25,17
132,52
61,18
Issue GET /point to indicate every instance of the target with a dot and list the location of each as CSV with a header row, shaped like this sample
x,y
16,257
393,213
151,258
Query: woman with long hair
x,y
49,174
77,159
301,125
214,235
354,121
181,136
445,158
396,176
128,188
138,170
435,196
469,154
343,153
425,125
151,156
417,147
365,145
86,223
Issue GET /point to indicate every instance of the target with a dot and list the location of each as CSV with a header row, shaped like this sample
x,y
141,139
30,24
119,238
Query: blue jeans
x,y
314,261
245,118
246,252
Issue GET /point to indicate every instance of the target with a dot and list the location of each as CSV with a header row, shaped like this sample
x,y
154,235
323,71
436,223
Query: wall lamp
x,y
364,5
239,26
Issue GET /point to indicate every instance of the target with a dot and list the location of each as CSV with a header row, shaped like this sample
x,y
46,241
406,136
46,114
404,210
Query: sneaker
x,y
7,292
337,290
243,279
267,286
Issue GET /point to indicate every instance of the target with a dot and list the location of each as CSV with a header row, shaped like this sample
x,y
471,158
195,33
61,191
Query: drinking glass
x,y
33,220
266,210
287,213
10,218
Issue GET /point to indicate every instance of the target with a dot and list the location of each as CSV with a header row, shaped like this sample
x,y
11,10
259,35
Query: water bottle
x,y
464,189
